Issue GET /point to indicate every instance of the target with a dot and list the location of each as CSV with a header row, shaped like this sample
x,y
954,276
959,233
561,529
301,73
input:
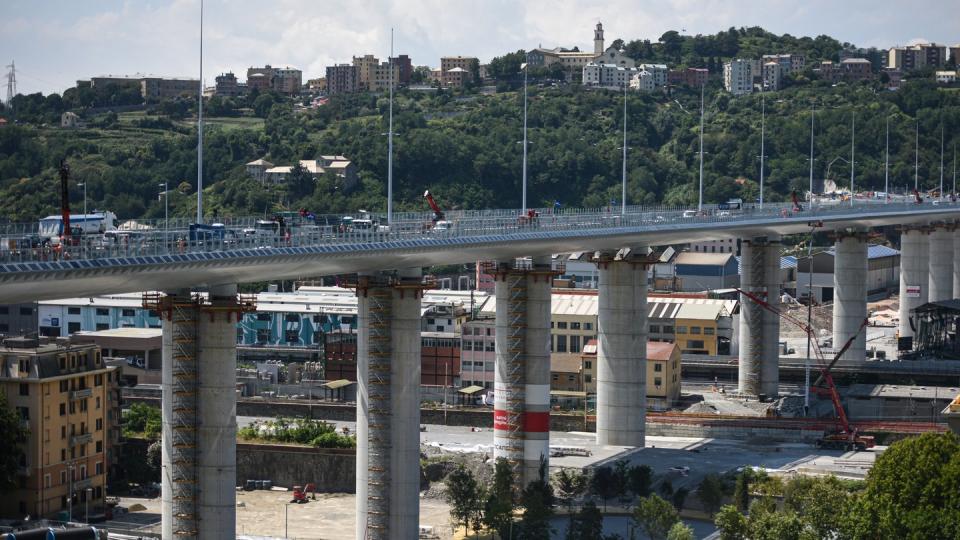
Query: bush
x,y
334,440
142,420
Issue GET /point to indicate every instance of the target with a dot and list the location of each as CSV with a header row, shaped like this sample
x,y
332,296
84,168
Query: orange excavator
x,y
845,436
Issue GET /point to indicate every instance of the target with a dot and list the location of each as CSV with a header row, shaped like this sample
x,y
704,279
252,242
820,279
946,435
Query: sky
x,y
56,42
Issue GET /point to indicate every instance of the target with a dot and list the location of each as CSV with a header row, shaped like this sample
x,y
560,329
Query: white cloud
x,y
64,40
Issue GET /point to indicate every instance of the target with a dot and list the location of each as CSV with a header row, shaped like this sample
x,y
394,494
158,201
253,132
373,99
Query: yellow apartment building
x,y
69,400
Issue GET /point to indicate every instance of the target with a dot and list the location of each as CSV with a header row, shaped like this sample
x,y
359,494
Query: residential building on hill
x,y
456,71
917,56
343,79
689,76
738,76
228,86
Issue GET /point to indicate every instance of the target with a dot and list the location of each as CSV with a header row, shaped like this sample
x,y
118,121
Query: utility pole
x,y
200,128
623,189
941,160
390,142
763,116
700,200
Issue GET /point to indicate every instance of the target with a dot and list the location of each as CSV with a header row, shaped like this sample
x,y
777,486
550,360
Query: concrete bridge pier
x,y
941,262
622,348
198,497
388,405
521,415
850,293
759,328
914,273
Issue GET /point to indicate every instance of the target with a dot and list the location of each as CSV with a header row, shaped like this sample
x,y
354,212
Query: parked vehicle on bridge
x,y
51,227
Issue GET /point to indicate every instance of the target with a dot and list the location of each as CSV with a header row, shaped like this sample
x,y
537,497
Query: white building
x,y
772,75
738,76
643,82
607,75
946,77
659,72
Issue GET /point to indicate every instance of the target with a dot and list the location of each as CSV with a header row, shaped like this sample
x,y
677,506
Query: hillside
x,y
464,147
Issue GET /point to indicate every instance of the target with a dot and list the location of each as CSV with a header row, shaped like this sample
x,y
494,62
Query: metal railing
x,y
21,243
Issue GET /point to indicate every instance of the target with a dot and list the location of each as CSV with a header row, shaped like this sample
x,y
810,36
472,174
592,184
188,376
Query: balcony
x,y
81,394
81,439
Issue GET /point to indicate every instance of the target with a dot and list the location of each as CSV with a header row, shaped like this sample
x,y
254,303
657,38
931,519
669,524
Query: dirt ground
x,y
331,516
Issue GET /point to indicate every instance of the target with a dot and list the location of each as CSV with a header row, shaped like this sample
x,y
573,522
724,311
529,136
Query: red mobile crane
x,y
845,437
437,212
65,200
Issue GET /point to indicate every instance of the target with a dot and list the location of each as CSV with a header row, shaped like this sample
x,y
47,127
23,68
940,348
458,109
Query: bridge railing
x,y
22,243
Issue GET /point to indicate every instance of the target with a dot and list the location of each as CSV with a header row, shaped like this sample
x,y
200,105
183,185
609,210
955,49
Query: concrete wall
x,y
333,470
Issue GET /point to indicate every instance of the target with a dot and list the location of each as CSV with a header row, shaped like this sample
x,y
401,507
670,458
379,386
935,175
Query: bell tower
x,y
598,40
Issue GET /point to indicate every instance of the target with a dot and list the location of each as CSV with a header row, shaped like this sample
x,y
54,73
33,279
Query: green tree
x,y
741,492
911,492
587,524
710,493
142,419
602,484
680,531
498,510
641,478
15,435
732,523
655,516
464,496
766,523
679,497
537,502
570,484
621,480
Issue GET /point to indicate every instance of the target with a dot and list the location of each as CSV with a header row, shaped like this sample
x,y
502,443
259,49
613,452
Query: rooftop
x,y
901,391
140,333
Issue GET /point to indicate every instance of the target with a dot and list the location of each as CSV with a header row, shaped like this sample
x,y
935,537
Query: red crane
x,y
846,436
437,212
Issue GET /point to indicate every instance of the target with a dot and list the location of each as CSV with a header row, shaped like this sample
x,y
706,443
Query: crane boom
x,y
437,212
823,366
65,198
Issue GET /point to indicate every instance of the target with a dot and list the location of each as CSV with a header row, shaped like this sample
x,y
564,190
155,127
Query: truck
x,y
51,227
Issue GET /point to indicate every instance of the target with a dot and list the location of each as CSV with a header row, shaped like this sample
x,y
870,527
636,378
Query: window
x,y
561,343
695,330
128,313
658,382
468,345
562,325
46,481
63,409
102,326
73,327
24,389
63,457
574,326
588,326
4,327
681,330
588,378
24,413
98,380
99,424
708,331
555,377
103,312
571,378
658,367
695,344
263,316
654,328
64,386
574,343
99,467
587,364
73,311
26,311
63,432
491,346
430,321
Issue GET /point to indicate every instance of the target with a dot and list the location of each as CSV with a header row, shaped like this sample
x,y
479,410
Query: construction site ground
x,y
881,334
684,461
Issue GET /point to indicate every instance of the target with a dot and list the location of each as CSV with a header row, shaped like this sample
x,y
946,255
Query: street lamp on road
x,y
86,505
523,67
166,212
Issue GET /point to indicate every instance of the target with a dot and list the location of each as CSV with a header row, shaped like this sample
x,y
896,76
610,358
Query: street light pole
x,y
200,128
700,199
916,158
886,167
623,189
390,141
853,138
524,68
763,115
941,161
86,506
812,111
70,494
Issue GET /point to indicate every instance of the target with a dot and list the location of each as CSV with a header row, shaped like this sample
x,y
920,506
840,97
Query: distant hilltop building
x,y
918,56
457,71
150,86
281,80
575,60
265,172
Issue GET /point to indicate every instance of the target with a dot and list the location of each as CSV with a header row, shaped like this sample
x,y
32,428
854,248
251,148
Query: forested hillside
x,y
464,147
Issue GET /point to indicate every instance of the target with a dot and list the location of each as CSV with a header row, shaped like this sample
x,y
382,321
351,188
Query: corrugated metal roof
x,y
874,251
657,307
787,261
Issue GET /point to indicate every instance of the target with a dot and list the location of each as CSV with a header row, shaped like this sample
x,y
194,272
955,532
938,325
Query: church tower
x,y
598,40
